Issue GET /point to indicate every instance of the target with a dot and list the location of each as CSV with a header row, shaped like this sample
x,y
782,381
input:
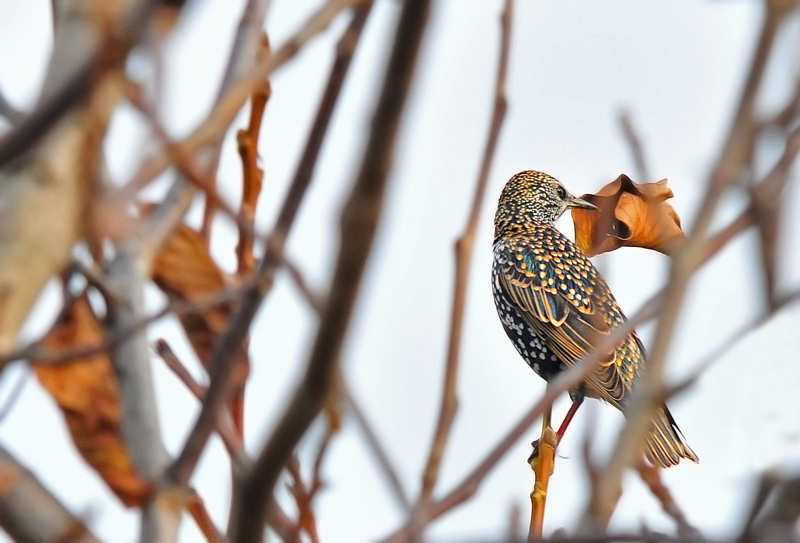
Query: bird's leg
x,y
577,400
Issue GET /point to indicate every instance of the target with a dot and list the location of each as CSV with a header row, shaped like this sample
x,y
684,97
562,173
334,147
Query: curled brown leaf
x,y
184,270
87,392
629,214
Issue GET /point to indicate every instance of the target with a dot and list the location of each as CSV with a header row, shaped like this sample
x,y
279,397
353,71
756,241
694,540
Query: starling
x,y
555,306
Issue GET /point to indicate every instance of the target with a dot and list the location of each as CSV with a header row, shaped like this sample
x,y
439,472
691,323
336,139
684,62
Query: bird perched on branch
x,y
555,306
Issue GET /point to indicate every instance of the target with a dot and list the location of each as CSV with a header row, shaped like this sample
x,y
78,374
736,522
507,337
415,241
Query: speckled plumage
x,y
555,306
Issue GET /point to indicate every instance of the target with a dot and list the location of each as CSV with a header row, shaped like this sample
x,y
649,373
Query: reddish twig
x,y
306,520
212,130
197,509
652,478
463,250
231,439
253,176
201,180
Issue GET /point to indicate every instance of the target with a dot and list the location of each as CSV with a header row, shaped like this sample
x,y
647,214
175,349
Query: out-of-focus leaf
x,y
184,270
630,214
87,392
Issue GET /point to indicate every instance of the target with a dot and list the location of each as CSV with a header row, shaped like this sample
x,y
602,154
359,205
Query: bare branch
x,y
237,92
30,513
358,225
733,161
463,253
377,449
80,52
12,114
230,438
635,145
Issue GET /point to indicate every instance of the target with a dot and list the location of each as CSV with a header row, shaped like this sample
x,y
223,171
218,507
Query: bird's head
x,y
533,196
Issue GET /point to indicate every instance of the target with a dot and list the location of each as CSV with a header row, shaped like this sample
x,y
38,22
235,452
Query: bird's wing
x,y
571,327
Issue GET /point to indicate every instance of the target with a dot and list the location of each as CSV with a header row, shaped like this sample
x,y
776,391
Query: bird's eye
x,y
562,193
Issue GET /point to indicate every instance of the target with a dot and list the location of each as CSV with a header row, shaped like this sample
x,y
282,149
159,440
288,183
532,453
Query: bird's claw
x,y
534,452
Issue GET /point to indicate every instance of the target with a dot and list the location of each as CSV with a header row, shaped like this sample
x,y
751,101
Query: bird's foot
x,y
551,440
534,452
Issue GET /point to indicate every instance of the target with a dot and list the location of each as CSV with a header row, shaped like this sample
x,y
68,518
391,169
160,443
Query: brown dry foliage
x,y
629,214
87,393
184,270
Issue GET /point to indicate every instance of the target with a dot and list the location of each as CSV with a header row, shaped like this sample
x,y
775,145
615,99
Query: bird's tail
x,y
665,443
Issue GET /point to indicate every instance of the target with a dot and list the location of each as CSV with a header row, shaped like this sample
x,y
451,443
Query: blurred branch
x,y
233,443
29,513
734,158
212,130
16,391
197,509
80,56
253,176
376,447
313,299
358,225
265,275
463,254
776,518
11,114
635,145
651,476
38,351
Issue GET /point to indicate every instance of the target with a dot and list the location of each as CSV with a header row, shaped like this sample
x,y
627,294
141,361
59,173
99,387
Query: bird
x,y
555,307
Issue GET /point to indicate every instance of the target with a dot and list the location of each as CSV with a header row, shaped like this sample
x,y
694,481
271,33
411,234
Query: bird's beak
x,y
574,201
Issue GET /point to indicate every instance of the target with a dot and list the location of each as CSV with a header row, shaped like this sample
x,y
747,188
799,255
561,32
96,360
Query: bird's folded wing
x,y
568,332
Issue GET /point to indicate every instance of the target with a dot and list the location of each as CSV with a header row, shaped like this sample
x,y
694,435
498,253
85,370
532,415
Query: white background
x,y
678,66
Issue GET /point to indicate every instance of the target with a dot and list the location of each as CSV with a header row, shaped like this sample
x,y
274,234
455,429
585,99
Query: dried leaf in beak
x,y
629,214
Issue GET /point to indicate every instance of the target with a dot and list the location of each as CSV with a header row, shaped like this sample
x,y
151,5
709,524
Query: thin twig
x,y
231,439
376,447
463,254
197,509
651,476
211,131
313,299
14,395
252,176
37,351
358,225
542,466
635,145
306,519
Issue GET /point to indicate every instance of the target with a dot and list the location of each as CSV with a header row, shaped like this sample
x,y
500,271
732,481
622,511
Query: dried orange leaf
x,y
87,392
184,270
629,214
